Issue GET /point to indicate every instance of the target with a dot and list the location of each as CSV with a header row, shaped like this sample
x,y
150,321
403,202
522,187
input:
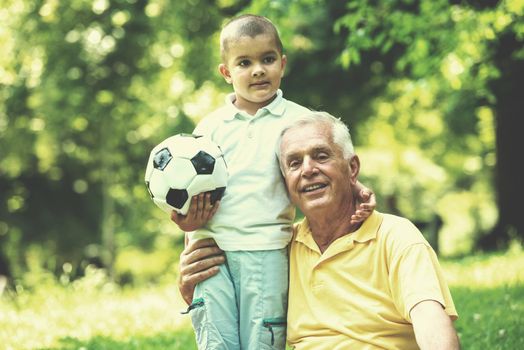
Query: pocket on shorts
x,y
207,336
275,332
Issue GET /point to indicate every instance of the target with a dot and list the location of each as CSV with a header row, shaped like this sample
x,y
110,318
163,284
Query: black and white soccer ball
x,y
183,166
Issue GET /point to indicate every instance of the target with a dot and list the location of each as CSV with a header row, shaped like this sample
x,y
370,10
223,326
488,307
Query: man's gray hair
x,y
339,130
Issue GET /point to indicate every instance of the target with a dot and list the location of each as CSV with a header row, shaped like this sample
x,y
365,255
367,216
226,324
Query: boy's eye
x,y
244,63
269,59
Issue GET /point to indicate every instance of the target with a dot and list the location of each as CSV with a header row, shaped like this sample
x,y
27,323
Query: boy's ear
x,y
225,72
283,65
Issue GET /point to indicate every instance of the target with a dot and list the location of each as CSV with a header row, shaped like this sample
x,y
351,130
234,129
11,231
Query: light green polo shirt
x,y
255,212
359,292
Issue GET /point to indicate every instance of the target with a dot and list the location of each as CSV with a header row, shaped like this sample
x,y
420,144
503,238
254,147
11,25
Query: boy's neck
x,y
251,108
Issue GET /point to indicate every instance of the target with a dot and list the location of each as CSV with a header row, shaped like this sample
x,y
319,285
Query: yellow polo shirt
x,y
359,292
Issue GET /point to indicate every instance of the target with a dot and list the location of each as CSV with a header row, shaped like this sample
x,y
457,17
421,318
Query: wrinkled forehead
x,y
308,128
304,137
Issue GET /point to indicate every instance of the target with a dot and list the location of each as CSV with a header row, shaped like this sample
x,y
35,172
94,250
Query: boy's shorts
x,y
244,306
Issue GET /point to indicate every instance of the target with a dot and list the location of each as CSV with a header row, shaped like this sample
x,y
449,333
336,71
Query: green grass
x,y
179,340
491,318
488,291
94,314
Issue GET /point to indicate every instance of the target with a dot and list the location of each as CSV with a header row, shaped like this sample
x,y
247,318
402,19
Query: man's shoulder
x,y
396,220
399,231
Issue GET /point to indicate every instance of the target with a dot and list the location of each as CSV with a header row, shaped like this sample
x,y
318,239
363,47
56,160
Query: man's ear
x,y
283,65
354,168
222,68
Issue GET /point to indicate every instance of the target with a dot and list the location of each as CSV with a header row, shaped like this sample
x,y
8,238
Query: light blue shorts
x,y
244,306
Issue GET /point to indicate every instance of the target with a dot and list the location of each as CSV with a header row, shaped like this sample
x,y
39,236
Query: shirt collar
x,y
367,231
369,228
277,107
305,236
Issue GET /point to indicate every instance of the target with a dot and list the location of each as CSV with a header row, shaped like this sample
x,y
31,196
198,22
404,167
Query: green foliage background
x,y
89,87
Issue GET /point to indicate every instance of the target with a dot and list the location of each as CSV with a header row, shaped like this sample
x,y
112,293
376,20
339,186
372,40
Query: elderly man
x,y
376,285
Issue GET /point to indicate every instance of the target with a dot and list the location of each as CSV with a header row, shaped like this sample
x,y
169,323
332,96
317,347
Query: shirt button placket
x,y
316,281
250,131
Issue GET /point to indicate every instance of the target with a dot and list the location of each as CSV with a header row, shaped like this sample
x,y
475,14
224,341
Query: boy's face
x,y
255,68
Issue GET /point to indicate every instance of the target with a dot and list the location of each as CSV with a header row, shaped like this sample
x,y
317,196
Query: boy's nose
x,y
258,70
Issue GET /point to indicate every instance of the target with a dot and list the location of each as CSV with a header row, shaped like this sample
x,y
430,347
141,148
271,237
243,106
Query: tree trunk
x,y
509,176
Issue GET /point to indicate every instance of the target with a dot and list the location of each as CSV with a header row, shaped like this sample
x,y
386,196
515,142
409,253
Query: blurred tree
x,y
441,73
507,88
475,50
89,87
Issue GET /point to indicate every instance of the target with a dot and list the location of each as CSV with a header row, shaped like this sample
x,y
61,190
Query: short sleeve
x,y
415,276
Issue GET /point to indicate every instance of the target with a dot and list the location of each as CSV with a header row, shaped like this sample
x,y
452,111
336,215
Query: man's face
x,y
317,175
255,68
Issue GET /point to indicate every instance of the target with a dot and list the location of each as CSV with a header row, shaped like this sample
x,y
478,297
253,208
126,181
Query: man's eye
x,y
293,164
322,156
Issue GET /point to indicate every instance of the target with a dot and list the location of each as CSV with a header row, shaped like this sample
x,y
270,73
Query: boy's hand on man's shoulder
x,y
366,203
200,212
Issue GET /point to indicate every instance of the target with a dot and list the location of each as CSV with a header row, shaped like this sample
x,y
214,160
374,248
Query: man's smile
x,y
312,187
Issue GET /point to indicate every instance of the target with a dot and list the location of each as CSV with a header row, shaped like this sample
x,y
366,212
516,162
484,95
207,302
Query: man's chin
x,y
314,205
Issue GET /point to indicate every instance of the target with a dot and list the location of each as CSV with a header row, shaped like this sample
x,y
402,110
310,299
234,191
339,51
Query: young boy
x,y
244,305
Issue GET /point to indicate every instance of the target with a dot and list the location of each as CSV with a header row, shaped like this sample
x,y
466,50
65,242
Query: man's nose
x,y
309,167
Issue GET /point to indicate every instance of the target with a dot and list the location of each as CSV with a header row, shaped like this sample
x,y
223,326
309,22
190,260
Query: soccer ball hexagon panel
x,y
183,166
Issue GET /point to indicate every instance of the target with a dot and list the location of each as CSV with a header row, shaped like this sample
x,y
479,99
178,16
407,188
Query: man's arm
x,y
198,261
433,327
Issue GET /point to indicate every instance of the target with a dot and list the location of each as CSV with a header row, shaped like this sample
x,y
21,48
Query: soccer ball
x,y
183,166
